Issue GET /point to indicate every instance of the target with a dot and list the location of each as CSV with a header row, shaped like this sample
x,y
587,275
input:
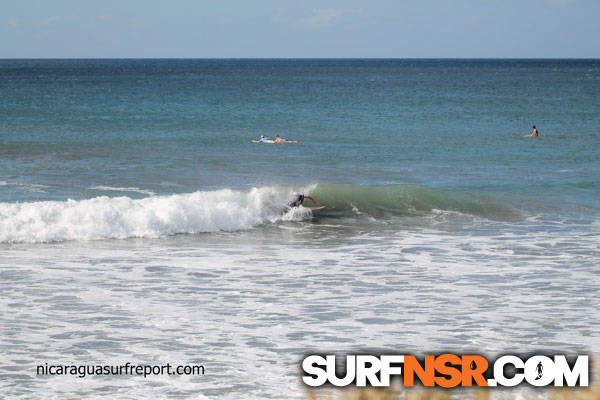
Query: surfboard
x,y
273,141
317,208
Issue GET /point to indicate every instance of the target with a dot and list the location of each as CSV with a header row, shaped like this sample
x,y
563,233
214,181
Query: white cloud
x,y
14,23
104,17
50,20
224,21
324,17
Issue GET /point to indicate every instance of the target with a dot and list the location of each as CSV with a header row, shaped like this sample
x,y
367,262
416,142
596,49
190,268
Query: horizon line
x,y
299,58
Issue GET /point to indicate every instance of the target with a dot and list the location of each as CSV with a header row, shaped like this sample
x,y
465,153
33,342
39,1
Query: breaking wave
x,y
123,217
220,210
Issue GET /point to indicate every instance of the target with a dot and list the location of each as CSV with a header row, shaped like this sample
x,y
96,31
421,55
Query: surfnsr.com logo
x,y
445,370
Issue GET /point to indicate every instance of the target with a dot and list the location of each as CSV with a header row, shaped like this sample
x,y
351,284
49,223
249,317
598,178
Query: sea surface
x,y
139,223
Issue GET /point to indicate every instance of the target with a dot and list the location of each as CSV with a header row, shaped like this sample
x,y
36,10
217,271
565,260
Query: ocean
x,y
139,223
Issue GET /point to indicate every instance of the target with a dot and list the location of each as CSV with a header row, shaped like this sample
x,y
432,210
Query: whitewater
x,y
155,216
249,304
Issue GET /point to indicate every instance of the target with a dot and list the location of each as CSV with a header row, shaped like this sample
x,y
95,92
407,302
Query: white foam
x,y
297,214
31,187
34,188
124,189
155,216
261,293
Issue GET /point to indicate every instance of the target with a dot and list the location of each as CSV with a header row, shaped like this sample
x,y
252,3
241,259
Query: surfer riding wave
x,y
297,199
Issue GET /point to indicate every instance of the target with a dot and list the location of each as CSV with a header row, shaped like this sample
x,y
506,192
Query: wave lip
x,y
150,217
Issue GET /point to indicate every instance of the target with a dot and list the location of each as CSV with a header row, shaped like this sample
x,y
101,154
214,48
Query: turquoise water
x,y
131,194
175,126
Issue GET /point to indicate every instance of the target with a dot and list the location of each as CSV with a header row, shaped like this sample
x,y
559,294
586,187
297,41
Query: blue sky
x,y
308,28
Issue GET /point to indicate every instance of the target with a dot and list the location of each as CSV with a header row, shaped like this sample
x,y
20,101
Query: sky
x,y
300,29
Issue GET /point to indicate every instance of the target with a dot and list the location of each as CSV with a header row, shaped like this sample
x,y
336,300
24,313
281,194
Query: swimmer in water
x,y
535,132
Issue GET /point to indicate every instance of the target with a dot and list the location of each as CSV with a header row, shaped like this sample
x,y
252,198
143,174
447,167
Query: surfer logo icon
x,y
539,370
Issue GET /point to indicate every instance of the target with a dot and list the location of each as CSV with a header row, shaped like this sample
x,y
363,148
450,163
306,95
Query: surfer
x,y
297,199
280,140
264,139
535,132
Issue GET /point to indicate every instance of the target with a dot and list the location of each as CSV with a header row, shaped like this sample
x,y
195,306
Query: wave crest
x,y
155,216
225,210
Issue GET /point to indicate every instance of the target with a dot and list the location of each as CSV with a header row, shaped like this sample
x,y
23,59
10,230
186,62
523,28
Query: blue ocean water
x,y
175,126
130,192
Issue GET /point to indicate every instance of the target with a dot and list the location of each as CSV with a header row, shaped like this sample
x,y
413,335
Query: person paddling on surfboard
x,y
535,132
297,199
280,140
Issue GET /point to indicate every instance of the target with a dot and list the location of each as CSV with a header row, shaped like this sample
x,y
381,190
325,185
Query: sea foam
x,y
150,217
